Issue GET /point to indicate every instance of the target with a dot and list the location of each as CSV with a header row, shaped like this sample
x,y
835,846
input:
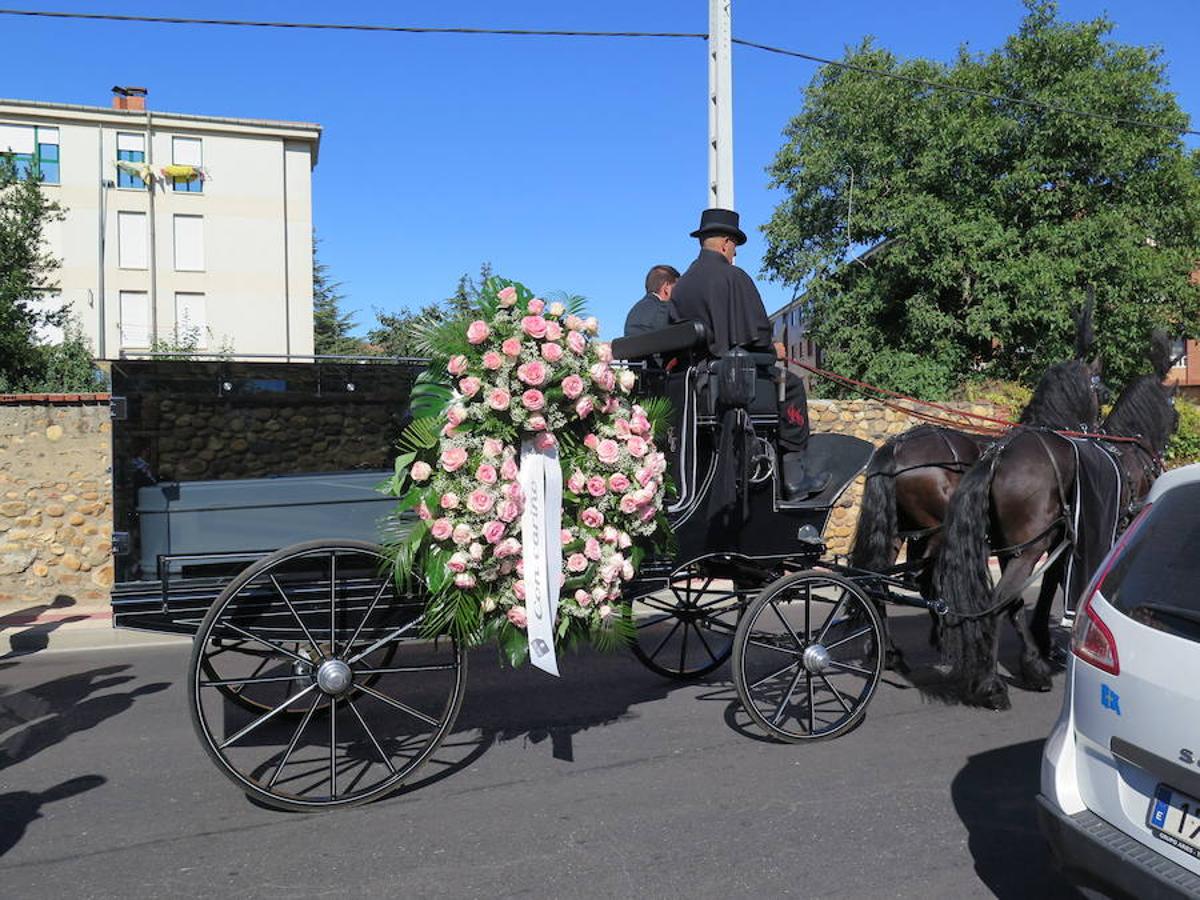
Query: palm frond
x,y
658,411
420,434
430,394
576,304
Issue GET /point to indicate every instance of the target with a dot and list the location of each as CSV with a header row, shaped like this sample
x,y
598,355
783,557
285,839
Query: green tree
x,y
987,219
26,273
331,326
401,333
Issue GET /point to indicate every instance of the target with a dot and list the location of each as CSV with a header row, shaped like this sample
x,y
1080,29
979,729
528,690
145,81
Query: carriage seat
x,y
680,338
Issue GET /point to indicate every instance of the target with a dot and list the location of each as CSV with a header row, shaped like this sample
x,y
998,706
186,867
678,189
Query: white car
x,y
1120,791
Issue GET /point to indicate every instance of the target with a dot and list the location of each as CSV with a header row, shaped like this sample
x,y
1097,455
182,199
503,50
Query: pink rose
x,y
534,326
441,529
492,447
605,611
618,482
498,399
513,492
480,502
462,534
598,372
557,309
576,343
516,614
469,386
644,476
599,594
511,347
576,562
611,404
576,482
449,500
591,549
584,407
508,469
536,305
493,532
486,473
629,503
533,400
457,365
477,332
624,541
604,352
565,536
637,447
544,441
582,597
492,360
591,325
508,510
507,547
533,373
423,512
608,451
596,486
552,353
572,385
421,471
507,296
573,322
592,517
455,416
621,426
453,459
458,562
609,535
464,580
639,424
536,423
519,585
591,441
627,379
554,331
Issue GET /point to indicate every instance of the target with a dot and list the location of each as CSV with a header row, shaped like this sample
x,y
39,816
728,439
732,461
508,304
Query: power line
x,y
545,32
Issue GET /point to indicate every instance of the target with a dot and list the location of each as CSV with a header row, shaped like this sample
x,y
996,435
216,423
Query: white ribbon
x,y
541,549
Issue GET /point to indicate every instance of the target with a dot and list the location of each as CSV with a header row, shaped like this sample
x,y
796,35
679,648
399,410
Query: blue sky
x,y
570,164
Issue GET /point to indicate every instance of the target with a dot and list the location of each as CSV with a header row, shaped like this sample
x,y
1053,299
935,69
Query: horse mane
x,y
1160,354
1143,409
1085,336
1063,397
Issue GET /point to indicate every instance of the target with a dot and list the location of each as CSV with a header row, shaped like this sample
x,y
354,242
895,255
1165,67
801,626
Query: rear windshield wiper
x,y
1163,609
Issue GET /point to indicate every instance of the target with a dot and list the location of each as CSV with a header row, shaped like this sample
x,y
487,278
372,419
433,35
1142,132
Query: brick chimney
x,y
129,97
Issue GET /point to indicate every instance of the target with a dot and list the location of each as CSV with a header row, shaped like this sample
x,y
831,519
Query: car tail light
x,y
1091,639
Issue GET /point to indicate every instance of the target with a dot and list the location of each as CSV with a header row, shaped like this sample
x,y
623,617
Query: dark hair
x,y
659,276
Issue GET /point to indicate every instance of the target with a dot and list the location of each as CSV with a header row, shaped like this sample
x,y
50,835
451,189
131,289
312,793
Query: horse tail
x,y
961,574
875,536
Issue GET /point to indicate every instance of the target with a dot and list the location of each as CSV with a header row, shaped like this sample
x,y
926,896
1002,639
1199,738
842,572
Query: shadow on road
x,y
19,808
994,795
36,637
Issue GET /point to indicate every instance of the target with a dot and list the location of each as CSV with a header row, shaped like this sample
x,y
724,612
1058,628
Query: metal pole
x,y
101,344
720,104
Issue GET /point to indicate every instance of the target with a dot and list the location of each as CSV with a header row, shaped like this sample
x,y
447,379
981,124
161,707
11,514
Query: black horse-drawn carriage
x,y
245,514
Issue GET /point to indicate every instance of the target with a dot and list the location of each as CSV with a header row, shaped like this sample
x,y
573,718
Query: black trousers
x,y
793,416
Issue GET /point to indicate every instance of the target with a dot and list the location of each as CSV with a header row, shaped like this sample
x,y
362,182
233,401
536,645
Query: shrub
x,y
1184,447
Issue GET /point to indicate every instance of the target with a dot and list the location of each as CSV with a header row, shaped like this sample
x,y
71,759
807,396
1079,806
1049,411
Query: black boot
x,y
798,482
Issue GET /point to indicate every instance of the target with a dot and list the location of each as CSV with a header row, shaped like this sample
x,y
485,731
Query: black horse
x,y
1018,498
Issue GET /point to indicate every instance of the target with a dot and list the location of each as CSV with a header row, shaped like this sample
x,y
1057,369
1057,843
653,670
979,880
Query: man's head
x,y
660,281
719,231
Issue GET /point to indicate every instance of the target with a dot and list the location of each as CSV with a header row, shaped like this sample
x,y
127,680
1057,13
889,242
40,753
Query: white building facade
x,y
185,229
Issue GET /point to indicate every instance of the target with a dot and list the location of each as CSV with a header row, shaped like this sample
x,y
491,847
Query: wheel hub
x,y
816,658
334,677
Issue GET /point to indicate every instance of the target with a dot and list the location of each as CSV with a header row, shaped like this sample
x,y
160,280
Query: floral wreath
x,y
518,368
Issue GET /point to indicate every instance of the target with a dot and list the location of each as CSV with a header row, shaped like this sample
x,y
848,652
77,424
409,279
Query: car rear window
x,y
1157,578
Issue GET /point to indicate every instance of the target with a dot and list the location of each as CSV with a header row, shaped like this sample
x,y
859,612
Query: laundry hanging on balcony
x,y
184,173
139,169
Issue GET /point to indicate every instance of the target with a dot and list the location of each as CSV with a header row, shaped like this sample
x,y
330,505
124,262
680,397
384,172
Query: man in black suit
x,y
651,312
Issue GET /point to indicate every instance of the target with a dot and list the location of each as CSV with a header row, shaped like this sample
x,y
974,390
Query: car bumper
x,y
1097,855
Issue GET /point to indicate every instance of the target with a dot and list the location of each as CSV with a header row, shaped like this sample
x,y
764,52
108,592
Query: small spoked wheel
x,y
311,684
686,631
807,657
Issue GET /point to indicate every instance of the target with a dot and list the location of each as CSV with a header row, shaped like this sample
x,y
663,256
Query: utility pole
x,y
720,104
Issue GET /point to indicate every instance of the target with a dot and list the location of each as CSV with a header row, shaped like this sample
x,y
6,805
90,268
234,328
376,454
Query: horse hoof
x,y
993,697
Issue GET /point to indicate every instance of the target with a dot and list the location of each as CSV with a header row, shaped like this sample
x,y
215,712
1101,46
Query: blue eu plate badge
x,y
1162,800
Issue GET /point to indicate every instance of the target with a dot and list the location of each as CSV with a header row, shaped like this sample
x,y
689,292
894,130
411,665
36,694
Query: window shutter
x,y
191,319
132,240
189,243
16,138
186,152
135,319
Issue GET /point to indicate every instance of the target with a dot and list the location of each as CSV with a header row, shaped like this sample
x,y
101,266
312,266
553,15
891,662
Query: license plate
x,y
1175,818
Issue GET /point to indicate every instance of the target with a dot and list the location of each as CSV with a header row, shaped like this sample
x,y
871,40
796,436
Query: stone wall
x,y
55,496
56,486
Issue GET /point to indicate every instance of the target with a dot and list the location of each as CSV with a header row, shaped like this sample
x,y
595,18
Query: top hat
x,y
720,221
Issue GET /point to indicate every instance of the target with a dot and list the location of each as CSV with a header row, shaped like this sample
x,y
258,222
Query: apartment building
x,y
177,227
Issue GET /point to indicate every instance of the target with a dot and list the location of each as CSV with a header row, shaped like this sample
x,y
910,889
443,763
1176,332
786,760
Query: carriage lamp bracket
x,y
763,462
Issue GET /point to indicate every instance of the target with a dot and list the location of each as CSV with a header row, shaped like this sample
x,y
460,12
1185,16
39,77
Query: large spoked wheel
x,y
686,631
340,699
807,656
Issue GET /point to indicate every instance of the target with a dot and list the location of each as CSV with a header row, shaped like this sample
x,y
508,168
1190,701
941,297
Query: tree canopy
x,y
988,220
331,326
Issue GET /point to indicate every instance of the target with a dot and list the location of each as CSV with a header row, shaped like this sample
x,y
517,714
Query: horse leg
x,y
1040,624
1034,670
985,687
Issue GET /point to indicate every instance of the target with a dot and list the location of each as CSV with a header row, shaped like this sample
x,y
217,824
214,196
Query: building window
x,y
1179,353
132,240
189,243
187,154
191,321
131,149
135,319
33,149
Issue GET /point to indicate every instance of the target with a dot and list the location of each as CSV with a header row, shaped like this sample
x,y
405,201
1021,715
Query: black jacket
x,y
648,314
725,300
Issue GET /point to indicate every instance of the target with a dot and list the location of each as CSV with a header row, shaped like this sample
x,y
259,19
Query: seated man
x,y
651,313
723,297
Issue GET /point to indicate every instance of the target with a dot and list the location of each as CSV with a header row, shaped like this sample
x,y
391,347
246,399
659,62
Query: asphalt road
x,y
607,782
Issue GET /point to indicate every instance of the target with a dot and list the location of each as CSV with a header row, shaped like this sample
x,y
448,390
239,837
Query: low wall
x,y
56,488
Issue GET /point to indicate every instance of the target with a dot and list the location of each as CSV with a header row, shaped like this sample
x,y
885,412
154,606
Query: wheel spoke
x,y
784,623
811,724
807,610
294,741
658,620
367,615
654,653
387,670
864,630
683,651
333,601
250,679
772,647
267,643
383,640
262,664
429,720
848,667
832,615
268,715
708,649
295,615
655,603
790,665
787,697
370,736
836,693
332,744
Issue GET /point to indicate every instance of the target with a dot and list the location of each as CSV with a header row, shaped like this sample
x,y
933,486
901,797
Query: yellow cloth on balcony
x,y
185,172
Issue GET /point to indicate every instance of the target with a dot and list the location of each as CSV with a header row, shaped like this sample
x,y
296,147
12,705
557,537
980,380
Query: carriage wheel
x,y
318,631
807,657
686,631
